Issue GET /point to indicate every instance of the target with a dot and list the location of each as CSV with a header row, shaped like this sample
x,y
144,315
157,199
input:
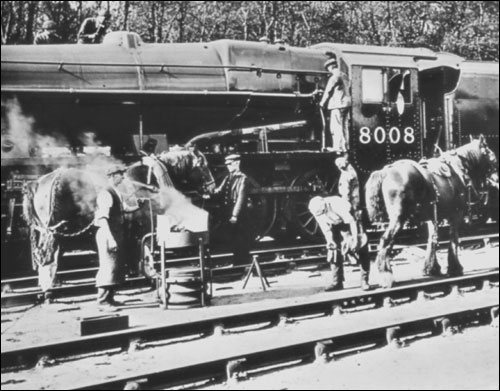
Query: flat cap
x,y
116,169
232,158
331,61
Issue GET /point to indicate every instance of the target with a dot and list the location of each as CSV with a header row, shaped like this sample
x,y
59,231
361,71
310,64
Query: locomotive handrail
x,y
73,90
254,130
251,68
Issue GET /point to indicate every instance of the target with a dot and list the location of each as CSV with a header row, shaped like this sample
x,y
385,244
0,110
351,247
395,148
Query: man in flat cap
x,y
337,100
234,189
343,238
93,30
48,35
109,237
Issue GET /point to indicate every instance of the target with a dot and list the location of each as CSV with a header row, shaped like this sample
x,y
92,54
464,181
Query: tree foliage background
x,y
466,28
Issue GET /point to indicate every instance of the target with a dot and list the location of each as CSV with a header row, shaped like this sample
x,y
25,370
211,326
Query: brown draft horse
x,y
406,191
61,204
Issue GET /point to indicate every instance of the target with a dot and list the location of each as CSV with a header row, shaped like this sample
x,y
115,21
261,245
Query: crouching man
x,y
342,238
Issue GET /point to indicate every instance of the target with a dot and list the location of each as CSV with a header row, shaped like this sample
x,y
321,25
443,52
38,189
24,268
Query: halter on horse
x,y
406,191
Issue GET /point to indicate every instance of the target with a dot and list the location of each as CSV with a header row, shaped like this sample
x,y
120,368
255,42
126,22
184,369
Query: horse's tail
x,y
375,205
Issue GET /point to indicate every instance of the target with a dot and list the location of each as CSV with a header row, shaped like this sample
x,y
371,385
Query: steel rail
x,y
226,367
219,273
11,284
242,315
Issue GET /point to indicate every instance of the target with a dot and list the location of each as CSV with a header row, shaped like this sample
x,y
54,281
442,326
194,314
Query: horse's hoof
x,y
456,272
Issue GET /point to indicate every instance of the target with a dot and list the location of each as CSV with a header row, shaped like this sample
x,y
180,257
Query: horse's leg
x,y
385,245
454,267
431,266
47,275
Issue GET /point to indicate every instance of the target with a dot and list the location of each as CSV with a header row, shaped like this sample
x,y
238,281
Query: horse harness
x,y
445,168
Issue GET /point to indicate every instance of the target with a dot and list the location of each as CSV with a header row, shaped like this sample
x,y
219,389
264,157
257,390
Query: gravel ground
x,y
424,364
464,361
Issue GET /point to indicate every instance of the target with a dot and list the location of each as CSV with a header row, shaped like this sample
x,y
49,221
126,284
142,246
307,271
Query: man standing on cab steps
x,y
340,230
337,100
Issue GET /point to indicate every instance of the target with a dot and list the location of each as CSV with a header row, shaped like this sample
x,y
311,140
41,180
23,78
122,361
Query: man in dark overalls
x,y
234,189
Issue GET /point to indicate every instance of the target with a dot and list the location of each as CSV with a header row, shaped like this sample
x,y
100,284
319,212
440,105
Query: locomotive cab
x,y
386,111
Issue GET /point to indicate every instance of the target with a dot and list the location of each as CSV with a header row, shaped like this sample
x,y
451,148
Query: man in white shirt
x,y
342,236
109,237
337,100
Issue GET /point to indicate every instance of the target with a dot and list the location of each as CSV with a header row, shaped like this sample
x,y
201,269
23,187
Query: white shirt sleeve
x,y
104,204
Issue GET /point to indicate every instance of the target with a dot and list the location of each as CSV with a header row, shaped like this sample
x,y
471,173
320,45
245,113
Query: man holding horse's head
x,y
234,191
109,237
342,238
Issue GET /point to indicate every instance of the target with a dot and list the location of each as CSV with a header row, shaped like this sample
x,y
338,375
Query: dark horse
x,y
406,191
61,204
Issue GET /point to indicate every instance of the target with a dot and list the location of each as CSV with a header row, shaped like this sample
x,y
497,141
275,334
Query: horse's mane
x,y
374,198
474,160
178,160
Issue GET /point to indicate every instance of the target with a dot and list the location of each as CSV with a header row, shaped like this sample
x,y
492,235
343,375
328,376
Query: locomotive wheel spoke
x,y
316,182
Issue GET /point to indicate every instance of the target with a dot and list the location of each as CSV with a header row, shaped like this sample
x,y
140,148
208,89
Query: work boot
x,y
366,286
334,287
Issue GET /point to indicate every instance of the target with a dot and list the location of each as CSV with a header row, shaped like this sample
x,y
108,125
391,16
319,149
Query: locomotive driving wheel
x,y
314,182
262,210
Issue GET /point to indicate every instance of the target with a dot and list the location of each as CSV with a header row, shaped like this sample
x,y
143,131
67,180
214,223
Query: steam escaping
x,y
19,138
182,214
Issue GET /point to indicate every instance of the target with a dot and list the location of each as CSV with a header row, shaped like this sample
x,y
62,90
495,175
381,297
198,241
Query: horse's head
x,y
480,161
489,161
189,169
201,172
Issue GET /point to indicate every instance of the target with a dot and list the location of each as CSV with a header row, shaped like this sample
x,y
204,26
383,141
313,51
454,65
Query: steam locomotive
x,y
255,98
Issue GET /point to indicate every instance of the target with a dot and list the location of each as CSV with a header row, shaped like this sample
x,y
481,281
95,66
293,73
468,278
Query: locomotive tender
x,y
258,99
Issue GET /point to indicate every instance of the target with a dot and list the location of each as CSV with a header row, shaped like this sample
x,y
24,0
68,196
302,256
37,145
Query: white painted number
x,y
364,135
380,135
394,135
409,135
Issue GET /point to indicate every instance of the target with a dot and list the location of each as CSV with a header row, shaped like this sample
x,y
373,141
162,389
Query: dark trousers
x,y
336,259
240,242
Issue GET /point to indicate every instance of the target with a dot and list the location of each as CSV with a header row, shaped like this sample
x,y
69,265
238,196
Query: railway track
x,y
24,291
410,237
209,330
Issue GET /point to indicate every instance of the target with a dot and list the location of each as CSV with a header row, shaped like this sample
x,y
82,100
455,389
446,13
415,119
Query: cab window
x,y
372,82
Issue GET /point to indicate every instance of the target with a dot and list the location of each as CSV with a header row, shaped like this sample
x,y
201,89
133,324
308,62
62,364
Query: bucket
x,y
184,288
